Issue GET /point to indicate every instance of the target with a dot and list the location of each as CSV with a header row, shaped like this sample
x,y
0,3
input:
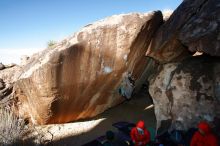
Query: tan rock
x,y
2,66
184,92
8,76
80,77
24,60
190,27
2,84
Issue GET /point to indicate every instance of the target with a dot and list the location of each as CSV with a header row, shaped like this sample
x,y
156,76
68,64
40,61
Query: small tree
x,y
51,43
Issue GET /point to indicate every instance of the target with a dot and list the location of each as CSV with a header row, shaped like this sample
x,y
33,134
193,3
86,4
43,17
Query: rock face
x,y
194,26
187,92
80,77
90,71
202,31
24,60
2,66
8,76
2,84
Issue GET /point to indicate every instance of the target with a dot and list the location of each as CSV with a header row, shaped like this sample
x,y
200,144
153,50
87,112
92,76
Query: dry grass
x,y
11,128
14,132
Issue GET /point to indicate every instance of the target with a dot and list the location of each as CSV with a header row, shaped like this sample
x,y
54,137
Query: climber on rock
x,y
204,136
140,135
127,86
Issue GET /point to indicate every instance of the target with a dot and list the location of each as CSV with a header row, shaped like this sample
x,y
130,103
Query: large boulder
x,y
2,66
202,31
2,84
194,26
187,92
8,76
80,77
10,73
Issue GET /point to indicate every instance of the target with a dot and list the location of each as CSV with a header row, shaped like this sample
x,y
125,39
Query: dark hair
x,y
110,135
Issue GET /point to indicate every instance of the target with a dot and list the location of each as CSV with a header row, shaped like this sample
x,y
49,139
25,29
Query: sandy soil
x,y
78,133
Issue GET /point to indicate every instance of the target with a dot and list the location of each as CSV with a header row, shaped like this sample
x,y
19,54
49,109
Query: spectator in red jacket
x,y
140,135
204,136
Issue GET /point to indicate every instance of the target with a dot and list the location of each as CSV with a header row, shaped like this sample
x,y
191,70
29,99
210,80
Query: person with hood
x,y
204,136
140,135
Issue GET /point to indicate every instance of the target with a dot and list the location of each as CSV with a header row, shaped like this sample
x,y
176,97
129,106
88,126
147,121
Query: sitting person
x,y
216,128
140,135
171,138
112,140
189,134
204,136
177,138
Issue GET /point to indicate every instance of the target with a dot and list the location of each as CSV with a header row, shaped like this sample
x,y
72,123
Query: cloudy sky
x,y
27,25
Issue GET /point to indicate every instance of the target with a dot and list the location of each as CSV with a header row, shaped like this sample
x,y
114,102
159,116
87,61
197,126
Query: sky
x,y
27,25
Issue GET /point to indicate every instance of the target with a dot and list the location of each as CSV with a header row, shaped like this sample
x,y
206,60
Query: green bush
x,y
51,43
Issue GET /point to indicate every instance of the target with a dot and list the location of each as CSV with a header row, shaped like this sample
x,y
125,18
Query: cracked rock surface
x,y
184,93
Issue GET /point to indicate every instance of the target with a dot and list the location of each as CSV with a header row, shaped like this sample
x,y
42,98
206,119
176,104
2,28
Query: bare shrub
x,y
11,128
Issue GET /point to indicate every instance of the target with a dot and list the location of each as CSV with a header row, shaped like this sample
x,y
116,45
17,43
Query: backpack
x,y
177,136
